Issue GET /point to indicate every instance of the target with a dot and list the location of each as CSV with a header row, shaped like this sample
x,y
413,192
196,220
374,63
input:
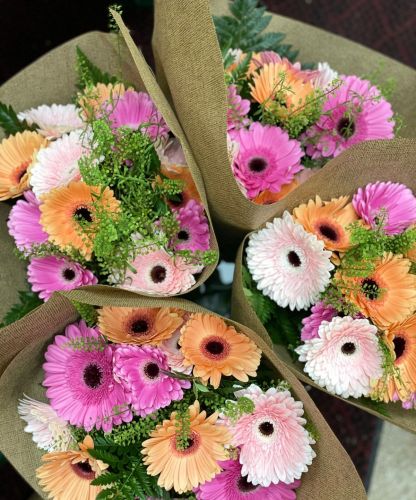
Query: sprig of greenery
x,y
10,123
28,301
89,74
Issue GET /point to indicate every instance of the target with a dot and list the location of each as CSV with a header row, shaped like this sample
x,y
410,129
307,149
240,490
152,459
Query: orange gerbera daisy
x,y
388,295
132,325
185,469
328,220
182,173
16,154
267,197
213,348
67,475
93,99
64,208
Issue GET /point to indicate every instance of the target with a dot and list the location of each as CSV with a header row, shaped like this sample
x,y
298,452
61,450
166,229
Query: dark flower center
x,y
294,259
158,274
244,485
348,348
82,213
178,199
370,288
214,347
399,346
257,165
93,376
346,127
183,235
151,370
328,232
266,428
68,274
139,326
83,470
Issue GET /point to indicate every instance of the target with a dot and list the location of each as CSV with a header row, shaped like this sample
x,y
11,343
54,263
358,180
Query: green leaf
x,y
105,456
28,301
105,479
201,387
89,74
104,494
10,123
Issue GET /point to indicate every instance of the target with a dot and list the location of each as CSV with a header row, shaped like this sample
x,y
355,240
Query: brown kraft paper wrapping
x,y
332,475
190,71
367,162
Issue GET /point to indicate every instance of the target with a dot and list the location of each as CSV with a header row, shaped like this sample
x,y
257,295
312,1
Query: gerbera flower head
x,y
189,192
57,165
388,295
141,371
101,98
390,204
172,349
319,312
53,121
137,111
275,431
193,228
81,385
266,159
267,197
288,264
64,208
216,349
345,358
259,59
237,109
186,468
324,76
328,221
49,431
353,113
24,223
132,325
69,473
171,153
53,274
230,484
16,155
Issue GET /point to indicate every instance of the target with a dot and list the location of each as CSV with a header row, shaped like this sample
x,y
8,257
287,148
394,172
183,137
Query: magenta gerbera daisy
x,y
137,111
237,109
353,113
53,274
390,204
319,312
231,485
266,159
141,370
24,223
193,228
80,383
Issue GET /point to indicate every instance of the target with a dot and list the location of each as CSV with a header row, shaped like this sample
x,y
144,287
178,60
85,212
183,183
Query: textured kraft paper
x,y
332,475
52,79
190,72
368,162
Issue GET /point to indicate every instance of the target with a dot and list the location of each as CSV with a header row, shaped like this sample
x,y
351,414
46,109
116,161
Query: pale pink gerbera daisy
x,y
231,485
319,312
390,204
266,159
159,273
237,109
53,121
274,431
80,381
24,223
173,352
353,113
53,274
57,165
193,228
141,371
137,111
288,264
345,358
324,76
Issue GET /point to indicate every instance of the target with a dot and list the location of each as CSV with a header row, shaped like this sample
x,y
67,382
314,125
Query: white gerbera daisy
x,y
346,358
49,431
53,121
288,264
325,75
57,165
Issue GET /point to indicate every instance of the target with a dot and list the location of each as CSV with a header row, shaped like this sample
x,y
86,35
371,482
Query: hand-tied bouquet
x,y
162,402
338,288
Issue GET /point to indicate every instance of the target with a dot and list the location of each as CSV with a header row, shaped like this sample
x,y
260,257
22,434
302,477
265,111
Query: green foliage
x,y
28,301
87,312
183,428
244,30
379,76
10,123
236,409
89,74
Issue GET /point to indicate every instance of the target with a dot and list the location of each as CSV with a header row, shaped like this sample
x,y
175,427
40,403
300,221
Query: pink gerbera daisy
x,y
345,358
24,223
231,485
237,109
80,381
390,204
319,312
275,431
194,229
53,274
266,159
141,371
137,111
353,113
53,121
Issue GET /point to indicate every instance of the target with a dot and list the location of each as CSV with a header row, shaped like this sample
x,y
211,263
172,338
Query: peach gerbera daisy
x,y
94,99
68,474
64,208
216,349
16,154
388,295
181,173
267,197
132,325
185,469
328,220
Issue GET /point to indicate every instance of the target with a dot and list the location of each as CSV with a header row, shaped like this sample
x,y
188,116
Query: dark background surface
x,y
32,27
